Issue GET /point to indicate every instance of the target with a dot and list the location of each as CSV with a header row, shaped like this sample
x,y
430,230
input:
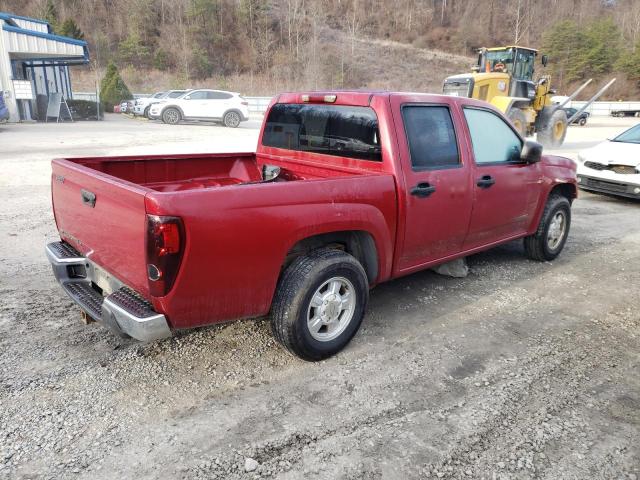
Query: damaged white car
x,y
613,166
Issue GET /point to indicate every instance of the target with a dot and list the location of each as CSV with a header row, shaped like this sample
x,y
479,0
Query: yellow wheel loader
x,y
504,77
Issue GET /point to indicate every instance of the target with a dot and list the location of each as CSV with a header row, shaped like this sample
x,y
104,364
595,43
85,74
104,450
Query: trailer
x,y
625,113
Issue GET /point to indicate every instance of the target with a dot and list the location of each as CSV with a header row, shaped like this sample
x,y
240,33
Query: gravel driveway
x,y
520,370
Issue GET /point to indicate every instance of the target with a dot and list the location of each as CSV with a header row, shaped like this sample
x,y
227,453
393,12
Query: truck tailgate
x,y
103,218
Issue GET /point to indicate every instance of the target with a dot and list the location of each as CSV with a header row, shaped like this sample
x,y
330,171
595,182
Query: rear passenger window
x,y
431,137
219,95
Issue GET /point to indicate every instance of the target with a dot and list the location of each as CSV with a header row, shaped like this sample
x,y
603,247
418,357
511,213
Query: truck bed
x,y
101,204
176,173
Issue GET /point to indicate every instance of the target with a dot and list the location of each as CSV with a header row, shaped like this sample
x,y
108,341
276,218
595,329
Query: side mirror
x,y
475,69
531,152
544,60
188,97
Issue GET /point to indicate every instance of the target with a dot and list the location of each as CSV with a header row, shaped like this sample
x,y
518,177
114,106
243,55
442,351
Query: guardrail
x,y
256,104
605,108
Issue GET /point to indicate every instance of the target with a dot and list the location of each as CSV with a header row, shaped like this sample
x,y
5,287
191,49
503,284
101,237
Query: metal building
x,y
35,63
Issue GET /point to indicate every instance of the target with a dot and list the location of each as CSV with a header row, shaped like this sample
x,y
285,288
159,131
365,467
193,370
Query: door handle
x,y
486,181
423,190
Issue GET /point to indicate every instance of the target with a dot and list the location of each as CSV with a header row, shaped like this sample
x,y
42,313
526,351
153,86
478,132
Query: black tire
x,y
232,119
145,114
539,245
518,120
554,132
171,116
582,122
292,305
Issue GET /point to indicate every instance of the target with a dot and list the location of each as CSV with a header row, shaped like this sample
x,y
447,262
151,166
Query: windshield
x,y
177,93
630,136
498,61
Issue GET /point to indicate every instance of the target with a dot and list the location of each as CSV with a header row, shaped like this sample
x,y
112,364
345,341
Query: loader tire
x,y
518,120
554,132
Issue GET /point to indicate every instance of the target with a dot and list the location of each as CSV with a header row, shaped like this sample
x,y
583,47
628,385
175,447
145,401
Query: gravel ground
x,y
520,370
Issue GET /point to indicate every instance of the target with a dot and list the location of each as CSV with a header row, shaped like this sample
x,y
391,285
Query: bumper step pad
x,y
124,311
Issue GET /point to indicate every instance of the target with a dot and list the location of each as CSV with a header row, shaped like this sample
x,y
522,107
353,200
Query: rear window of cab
x,y
338,130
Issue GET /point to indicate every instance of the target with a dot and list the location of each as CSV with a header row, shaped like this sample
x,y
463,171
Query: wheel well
x,y
356,243
233,110
566,190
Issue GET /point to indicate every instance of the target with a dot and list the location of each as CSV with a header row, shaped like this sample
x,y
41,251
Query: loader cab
x,y
517,62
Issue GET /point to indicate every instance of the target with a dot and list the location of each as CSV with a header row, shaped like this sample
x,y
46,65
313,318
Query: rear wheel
x,y
319,304
582,122
171,116
518,120
231,119
553,230
553,133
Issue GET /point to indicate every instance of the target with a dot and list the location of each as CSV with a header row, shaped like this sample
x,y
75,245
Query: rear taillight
x,y
165,246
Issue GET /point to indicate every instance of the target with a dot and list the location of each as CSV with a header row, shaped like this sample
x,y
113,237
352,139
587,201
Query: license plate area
x,y
103,279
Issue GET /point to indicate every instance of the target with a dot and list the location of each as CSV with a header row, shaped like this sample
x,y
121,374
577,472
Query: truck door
x,y
438,200
506,190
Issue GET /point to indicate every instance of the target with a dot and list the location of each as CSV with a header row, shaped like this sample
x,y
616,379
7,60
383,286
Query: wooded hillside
x,y
260,47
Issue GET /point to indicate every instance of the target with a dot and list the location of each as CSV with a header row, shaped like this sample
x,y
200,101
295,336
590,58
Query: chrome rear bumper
x,y
123,311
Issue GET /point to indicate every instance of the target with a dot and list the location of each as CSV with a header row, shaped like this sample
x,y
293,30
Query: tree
x,y
629,63
113,90
50,14
133,51
69,28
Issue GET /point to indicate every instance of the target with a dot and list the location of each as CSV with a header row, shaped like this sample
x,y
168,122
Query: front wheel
x,y
171,116
518,120
582,122
553,230
554,132
319,304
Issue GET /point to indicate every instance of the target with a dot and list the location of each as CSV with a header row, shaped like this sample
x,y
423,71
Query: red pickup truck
x,y
346,190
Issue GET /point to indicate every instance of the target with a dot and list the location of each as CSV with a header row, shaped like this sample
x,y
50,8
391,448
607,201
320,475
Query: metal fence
x,y
256,104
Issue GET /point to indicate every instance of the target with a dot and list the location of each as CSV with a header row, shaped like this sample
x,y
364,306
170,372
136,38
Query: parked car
x,y
141,104
581,119
126,106
166,96
205,105
346,190
4,111
612,166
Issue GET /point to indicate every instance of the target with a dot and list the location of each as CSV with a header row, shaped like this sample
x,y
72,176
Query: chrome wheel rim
x,y
171,116
331,309
557,229
233,119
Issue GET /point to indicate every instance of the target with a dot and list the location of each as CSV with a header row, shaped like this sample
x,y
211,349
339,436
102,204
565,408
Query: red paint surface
x,y
237,236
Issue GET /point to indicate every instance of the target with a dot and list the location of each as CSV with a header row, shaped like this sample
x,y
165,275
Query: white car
x,y
205,105
141,104
613,166
145,103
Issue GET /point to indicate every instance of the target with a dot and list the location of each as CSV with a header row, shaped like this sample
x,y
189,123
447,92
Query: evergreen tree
x,y
629,63
133,51
50,14
113,90
69,28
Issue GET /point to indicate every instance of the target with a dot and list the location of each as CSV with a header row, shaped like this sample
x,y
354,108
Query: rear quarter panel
x,y
237,238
